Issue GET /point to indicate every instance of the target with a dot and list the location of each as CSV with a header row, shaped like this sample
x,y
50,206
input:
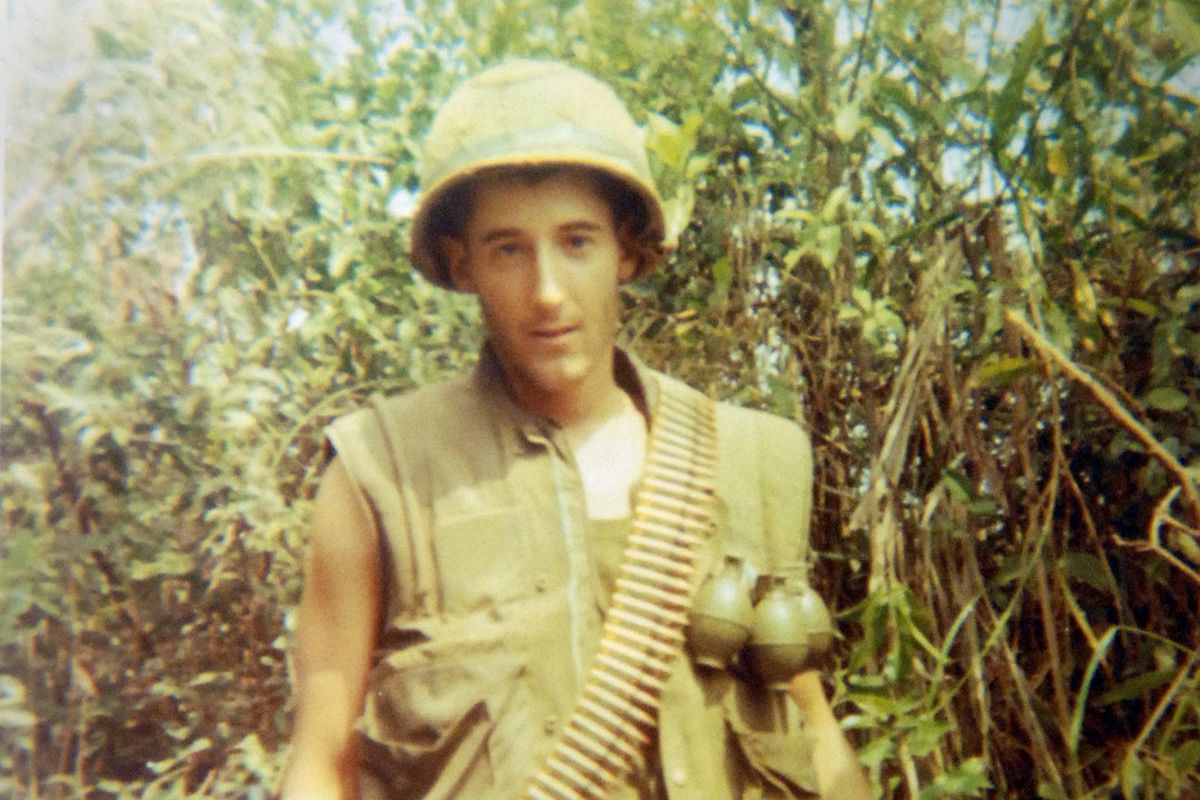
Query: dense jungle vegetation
x,y
958,239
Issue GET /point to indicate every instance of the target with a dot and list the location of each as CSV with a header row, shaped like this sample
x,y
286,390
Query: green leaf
x,y
985,506
1137,686
1183,19
793,258
847,122
205,678
1057,162
968,779
1049,791
1001,371
874,622
1167,398
1098,655
109,45
1143,307
783,399
1132,777
253,754
881,707
1186,758
925,738
1058,325
1161,146
839,200
828,245
876,752
958,485
1088,569
346,250
867,682
171,563
672,142
677,211
1010,101
697,165
722,279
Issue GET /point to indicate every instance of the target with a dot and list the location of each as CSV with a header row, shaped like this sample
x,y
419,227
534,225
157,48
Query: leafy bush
x,y
958,241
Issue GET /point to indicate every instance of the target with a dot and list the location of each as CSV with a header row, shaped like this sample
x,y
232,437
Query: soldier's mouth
x,y
554,333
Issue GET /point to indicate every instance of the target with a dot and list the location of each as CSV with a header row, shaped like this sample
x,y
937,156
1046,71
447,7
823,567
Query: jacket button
x,y
679,777
550,726
540,583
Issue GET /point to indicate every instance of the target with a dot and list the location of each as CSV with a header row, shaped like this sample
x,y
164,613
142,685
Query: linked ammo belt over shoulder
x,y
617,709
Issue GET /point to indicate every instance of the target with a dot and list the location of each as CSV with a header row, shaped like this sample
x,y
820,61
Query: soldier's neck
x,y
590,402
609,450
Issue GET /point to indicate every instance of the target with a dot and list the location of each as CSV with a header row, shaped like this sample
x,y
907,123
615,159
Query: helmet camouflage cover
x,y
529,113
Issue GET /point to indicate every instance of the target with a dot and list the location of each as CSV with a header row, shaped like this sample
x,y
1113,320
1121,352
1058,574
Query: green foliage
x,y
205,261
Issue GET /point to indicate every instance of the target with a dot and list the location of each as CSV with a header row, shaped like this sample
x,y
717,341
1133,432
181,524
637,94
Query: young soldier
x,y
482,616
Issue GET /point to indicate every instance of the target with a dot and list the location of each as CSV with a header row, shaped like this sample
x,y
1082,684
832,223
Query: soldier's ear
x,y
454,251
627,267
630,256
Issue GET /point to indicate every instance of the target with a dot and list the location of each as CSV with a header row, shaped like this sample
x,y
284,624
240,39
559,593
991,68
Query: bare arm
x,y
839,775
339,613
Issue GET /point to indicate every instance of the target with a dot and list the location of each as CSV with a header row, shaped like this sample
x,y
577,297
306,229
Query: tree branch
x,y
1106,398
252,153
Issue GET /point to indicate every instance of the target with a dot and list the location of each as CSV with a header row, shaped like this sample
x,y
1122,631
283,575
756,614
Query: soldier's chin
x,y
564,374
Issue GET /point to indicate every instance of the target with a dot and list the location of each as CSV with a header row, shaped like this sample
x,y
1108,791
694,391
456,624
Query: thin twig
x,y
1154,539
1165,701
909,768
1161,552
1162,513
798,112
1060,74
254,153
862,46
1089,524
1114,407
1030,718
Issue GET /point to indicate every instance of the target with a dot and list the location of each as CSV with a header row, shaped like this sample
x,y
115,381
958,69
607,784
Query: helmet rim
x,y
571,119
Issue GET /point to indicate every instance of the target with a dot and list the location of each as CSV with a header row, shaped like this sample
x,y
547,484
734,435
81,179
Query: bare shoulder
x,y
341,524
341,596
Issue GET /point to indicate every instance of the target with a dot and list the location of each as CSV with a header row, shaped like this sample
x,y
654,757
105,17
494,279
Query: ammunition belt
x,y
617,708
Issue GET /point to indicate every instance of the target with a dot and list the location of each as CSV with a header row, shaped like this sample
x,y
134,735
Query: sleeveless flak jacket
x,y
490,619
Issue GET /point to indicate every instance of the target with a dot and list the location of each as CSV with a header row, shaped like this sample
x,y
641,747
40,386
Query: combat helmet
x,y
529,112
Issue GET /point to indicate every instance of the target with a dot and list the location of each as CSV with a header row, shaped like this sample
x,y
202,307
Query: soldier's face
x,y
545,261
